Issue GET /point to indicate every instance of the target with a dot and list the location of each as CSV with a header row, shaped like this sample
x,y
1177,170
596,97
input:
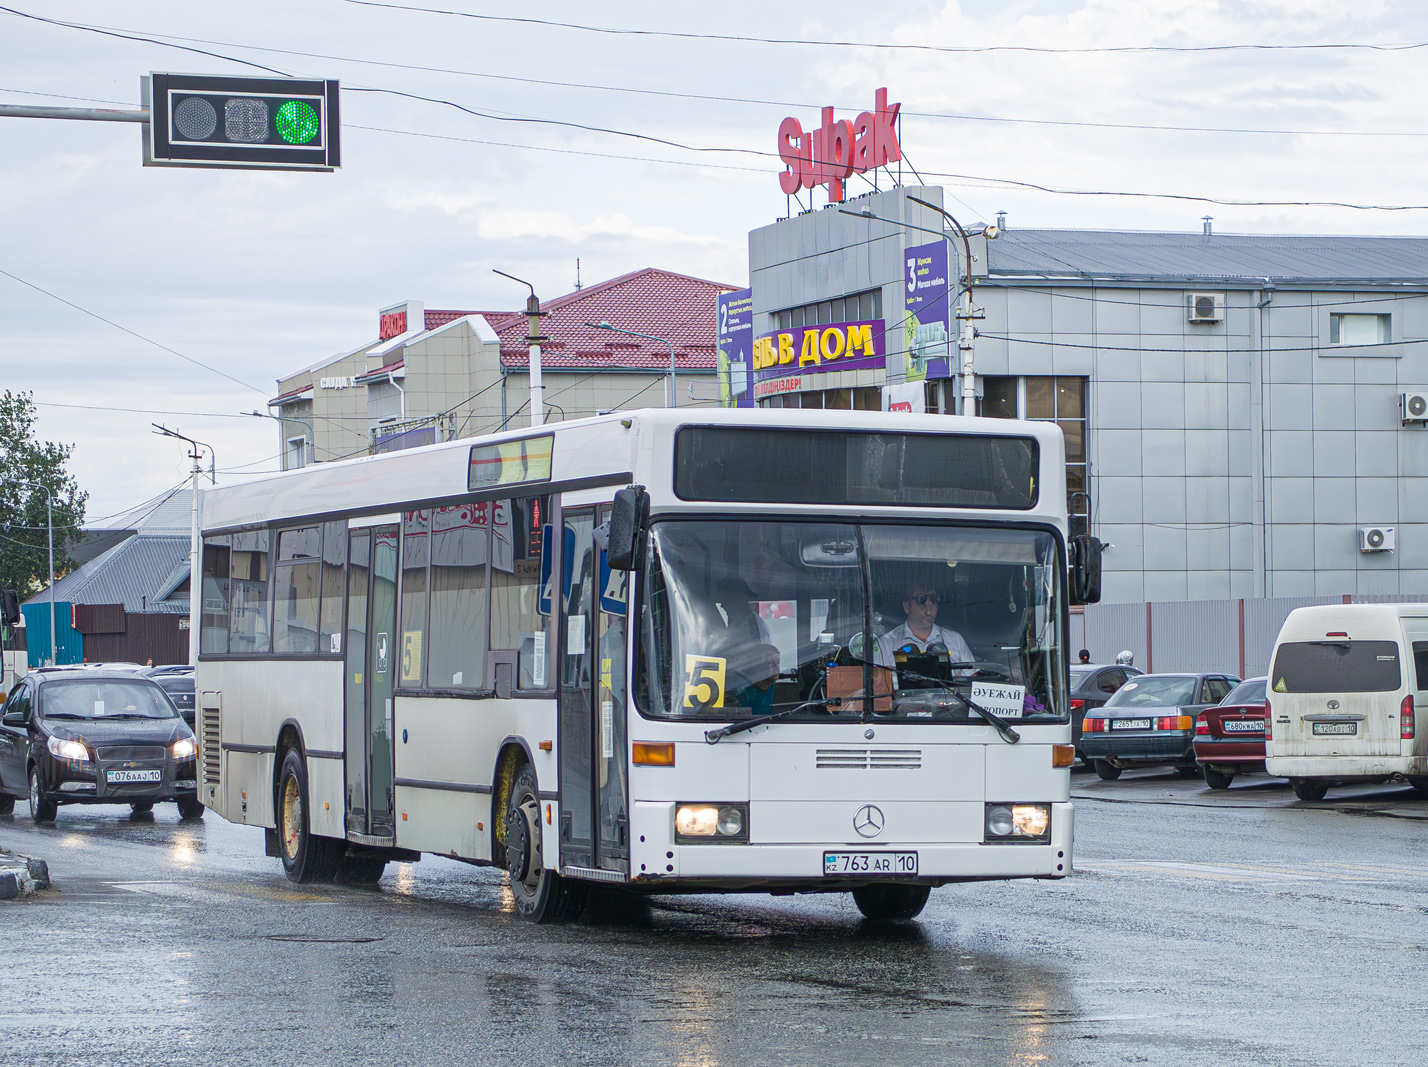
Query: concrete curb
x,y
21,876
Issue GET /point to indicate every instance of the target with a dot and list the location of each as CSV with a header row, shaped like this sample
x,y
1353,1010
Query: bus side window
x,y
456,630
416,547
213,621
248,603
298,579
517,624
334,561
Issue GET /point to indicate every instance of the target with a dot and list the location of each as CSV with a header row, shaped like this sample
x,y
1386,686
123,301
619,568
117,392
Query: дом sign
x,y
828,155
831,346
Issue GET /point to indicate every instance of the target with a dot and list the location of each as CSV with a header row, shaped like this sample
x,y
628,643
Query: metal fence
x,y
1235,636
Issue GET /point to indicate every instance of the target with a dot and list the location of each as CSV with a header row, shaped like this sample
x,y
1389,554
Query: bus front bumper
x,y
800,866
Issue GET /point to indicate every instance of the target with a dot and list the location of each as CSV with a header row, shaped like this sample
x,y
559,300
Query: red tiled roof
x,y
432,319
658,302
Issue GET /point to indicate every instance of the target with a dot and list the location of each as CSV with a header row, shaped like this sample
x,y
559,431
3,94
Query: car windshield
x,y
744,618
1147,691
1250,692
96,700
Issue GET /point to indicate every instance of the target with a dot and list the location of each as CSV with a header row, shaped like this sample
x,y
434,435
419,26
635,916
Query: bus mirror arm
x,y
624,533
713,737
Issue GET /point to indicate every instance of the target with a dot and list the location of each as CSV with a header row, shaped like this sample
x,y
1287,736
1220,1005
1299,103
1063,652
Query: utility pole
x,y
966,313
195,546
50,526
533,340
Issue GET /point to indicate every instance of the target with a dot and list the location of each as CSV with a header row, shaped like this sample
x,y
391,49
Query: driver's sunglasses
x,y
923,599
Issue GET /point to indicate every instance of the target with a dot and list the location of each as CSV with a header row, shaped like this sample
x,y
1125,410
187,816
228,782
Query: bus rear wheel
x,y
891,903
540,895
306,856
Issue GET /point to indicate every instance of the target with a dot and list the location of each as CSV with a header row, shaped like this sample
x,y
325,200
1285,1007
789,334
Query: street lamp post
x,y
50,526
195,558
533,340
672,396
966,313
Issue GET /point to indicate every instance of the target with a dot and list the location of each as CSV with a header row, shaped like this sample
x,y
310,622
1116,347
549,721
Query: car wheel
x,y
306,856
891,903
1307,789
1107,772
190,808
1420,787
42,808
1217,779
540,895
1188,770
142,807
7,804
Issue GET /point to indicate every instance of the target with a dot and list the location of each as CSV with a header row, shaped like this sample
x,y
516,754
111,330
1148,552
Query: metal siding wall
x,y
1198,635
37,627
1263,618
146,637
1110,628
1077,629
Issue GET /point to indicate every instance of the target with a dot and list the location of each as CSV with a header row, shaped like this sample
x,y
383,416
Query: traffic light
x,y
244,123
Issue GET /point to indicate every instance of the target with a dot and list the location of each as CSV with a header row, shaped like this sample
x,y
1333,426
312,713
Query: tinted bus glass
x,y
1336,667
827,467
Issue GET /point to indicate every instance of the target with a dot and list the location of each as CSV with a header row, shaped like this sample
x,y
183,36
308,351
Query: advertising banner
x,y
910,398
929,311
736,346
829,346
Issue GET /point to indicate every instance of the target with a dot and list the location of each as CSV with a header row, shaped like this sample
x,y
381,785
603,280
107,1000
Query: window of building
x,y
1356,329
517,622
460,547
297,588
869,398
296,453
860,307
1061,400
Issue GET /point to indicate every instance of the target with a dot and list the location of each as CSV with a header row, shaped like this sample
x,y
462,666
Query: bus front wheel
x,y
540,895
306,856
891,903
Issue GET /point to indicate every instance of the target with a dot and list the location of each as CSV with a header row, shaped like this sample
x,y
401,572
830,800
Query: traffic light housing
x,y
262,123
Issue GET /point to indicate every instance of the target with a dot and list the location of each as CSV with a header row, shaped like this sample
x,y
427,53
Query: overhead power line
x,y
894,46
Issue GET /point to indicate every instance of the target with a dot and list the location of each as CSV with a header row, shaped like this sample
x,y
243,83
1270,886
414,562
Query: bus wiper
x,y
713,737
1002,727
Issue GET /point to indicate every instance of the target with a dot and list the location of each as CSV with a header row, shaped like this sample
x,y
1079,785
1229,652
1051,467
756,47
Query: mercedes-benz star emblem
x,y
868,821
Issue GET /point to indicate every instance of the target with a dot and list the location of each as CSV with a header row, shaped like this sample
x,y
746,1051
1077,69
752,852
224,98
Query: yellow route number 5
x,y
704,681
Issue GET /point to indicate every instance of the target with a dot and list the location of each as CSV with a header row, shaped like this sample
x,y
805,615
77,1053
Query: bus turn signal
x,y
1063,755
654,755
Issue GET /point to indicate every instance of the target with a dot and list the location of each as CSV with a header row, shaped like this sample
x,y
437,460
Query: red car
x,y
1229,738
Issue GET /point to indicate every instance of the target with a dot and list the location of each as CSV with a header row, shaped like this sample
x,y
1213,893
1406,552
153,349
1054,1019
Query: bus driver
x,y
920,631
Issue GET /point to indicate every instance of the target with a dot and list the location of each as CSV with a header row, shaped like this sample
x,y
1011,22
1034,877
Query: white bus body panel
x,y
1376,751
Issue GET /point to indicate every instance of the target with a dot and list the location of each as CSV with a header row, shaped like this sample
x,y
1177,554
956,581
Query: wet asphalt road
x,y
1199,928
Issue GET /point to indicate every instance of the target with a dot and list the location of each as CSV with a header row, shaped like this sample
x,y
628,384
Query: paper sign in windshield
x,y
1004,700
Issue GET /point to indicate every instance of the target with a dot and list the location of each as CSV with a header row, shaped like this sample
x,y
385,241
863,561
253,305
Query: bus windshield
x,y
742,618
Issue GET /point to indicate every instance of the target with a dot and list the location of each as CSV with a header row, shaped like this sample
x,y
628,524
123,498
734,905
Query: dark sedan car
x,y
1229,738
1151,720
177,682
94,737
1092,684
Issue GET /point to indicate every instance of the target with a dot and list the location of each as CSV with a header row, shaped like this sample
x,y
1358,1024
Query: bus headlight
x,y
711,823
1018,823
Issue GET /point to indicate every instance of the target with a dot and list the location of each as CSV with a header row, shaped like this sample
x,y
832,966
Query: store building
x,y
1246,416
436,375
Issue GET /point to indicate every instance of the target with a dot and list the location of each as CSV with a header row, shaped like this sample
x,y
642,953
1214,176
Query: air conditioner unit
x,y
1413,407
1205,307
1376,538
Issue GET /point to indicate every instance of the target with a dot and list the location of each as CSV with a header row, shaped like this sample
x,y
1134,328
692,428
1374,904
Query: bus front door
x,y
371,627
594,793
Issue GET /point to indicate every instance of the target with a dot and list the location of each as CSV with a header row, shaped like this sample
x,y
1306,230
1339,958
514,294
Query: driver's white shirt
x,y
890,642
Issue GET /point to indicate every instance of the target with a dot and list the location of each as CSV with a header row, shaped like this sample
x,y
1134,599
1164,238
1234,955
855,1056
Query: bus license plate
x,y
127,777
1242,726
1130,724
869,863
1322,728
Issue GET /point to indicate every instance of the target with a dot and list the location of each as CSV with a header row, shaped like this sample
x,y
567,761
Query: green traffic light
x,y
297,122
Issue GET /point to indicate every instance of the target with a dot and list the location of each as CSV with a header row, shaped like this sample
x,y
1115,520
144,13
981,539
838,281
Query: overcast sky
x,y
259,274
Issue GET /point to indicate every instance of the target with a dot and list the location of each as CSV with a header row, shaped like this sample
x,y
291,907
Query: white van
x,y
1346,683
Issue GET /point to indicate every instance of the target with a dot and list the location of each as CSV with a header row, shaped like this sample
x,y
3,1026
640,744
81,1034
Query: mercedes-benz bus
x,y
659,651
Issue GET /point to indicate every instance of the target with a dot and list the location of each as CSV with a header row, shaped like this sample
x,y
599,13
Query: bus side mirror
x,y
1084,551
630,514
10,610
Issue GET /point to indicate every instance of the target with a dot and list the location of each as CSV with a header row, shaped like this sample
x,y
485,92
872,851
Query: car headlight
x,y
1011,823
703,823
184,748
71,750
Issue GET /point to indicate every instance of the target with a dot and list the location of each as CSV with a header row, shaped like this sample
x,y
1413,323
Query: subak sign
x,y
828,155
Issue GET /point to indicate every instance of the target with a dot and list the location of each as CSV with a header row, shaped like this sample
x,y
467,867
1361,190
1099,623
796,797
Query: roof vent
x,y
1207,220
1001,220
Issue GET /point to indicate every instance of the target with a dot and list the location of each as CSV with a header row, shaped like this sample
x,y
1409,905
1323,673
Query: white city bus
x,y
638,650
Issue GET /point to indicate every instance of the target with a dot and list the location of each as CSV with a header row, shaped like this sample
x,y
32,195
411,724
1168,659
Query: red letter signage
x,y
829,154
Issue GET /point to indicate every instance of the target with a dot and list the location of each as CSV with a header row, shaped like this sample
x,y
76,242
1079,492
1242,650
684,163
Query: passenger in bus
x,y
759,665
920,631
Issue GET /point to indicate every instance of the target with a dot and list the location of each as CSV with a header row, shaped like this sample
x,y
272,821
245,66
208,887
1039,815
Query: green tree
x,y
24,461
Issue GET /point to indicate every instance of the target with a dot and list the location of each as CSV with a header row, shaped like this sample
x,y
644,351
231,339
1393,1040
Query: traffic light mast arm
x,y
87,114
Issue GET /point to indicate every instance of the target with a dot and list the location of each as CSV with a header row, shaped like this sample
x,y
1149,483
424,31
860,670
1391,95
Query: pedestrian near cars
x,y
1084,655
